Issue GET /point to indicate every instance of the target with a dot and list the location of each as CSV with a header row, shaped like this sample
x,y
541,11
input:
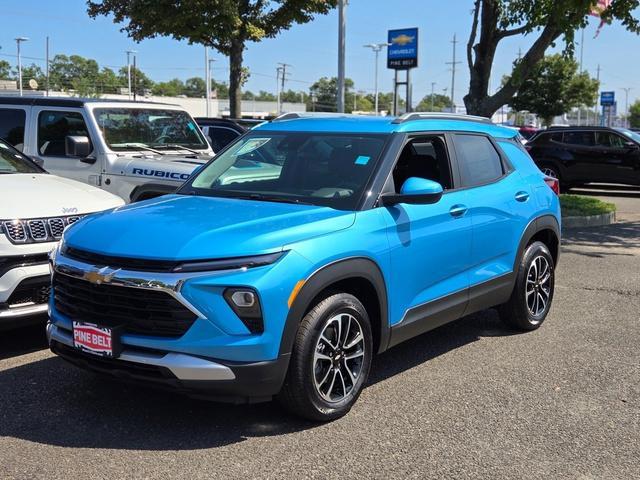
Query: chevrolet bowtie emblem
x,y
99,276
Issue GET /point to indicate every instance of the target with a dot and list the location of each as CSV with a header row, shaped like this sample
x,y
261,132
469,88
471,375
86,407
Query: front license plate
x,y
92,338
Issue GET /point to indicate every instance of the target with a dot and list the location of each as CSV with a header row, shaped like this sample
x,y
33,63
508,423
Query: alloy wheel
x,y
338,357
538,287
550,172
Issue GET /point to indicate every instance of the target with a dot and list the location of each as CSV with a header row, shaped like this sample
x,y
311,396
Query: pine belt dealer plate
x,y
97,340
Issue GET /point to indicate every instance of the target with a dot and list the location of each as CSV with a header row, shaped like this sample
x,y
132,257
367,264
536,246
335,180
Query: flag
x,y
596,11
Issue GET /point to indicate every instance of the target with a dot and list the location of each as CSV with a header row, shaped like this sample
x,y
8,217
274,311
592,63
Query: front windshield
x,y
140,128
297,167
12,161
630,133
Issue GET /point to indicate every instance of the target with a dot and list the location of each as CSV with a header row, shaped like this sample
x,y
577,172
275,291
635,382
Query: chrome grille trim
x,y
36,230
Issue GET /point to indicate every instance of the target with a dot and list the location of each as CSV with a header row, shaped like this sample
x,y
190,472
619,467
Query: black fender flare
x,y
354,267
545,222
159,188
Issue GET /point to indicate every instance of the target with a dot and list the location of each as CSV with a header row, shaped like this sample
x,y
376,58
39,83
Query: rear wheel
x,y
533,292
330,360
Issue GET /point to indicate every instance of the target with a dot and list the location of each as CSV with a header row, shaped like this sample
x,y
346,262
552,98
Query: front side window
x,y
53,129
12,121
12,161
585,139
479,161
609,140
423,158
143,128
295,167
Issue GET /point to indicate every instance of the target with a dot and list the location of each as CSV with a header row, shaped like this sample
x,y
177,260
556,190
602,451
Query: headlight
x,y
229,263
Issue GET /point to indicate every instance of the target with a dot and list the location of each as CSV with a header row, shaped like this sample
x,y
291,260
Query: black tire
x,y
299,393
519,311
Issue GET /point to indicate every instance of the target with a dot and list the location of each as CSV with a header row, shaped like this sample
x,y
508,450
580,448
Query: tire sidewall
x,y
533,251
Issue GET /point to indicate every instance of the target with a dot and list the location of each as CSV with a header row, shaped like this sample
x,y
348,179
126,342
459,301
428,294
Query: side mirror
x,y
77,146
415,191
631,146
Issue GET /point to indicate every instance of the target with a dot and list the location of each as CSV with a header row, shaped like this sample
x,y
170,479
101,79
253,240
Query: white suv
x,y
35,208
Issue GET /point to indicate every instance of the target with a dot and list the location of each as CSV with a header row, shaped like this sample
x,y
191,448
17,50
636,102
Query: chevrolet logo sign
x,y
403,39
99,276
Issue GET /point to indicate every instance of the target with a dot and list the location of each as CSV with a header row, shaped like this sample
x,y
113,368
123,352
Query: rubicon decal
x,y
148,172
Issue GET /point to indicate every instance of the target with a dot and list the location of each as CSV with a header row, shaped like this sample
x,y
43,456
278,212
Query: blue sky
x,y
310,48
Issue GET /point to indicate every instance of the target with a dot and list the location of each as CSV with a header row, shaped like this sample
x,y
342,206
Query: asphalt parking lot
x,y
469,400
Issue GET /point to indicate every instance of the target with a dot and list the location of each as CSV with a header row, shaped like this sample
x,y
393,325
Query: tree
x,y
195,87
30,72
554,88
325,93
496,20
634,114
74,73
5,70
172,88
224,25
439,103
139,80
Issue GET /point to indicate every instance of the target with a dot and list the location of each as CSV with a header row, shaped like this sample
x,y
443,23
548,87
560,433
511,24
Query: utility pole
x,y
210,83
519,53
453,64
342,26
595,110
135,93
433,86
19,40
376,47
207,87
626,106
282,70
47,67
129,52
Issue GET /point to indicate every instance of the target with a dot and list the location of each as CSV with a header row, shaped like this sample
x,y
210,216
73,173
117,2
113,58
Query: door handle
x,y
458,210
522,196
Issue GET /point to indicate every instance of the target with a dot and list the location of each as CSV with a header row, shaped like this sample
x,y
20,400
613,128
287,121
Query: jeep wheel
x,y
330,359
533,292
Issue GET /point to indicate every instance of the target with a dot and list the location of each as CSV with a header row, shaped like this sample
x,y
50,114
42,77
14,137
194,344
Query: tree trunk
x,y
235,79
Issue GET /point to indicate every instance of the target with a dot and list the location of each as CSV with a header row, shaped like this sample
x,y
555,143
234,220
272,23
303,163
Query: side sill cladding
x,y
341,270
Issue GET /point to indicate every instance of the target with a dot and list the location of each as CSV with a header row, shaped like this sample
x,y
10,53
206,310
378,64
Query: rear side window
x,y
221,137
54,127
12,122
479,160
579,138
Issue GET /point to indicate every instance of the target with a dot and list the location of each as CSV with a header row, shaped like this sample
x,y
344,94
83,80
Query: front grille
x,y
16,261
36,230
138,311
127,263
31,291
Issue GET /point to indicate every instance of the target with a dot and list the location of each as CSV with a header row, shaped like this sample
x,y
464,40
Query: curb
x,y
589,220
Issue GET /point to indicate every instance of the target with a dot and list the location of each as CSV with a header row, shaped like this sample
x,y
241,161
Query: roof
x,y
64,101
334,122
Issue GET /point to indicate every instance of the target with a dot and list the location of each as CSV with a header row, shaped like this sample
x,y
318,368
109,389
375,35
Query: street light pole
x,y
342,26
19,40
626,106
433,86
376,47
129,52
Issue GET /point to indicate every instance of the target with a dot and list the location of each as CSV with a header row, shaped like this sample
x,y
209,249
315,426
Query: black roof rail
x,y
407,117
294,115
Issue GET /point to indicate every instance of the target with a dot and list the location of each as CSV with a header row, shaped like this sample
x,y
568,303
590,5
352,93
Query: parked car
x,y
306,247
220,131
35,208
528,132
136,150
579,155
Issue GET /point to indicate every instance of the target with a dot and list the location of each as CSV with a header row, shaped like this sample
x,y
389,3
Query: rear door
x,y
52,125
13,124
493,190
586,164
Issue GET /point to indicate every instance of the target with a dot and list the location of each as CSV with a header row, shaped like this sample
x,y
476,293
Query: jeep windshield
x,y
12,161
297,167
148,129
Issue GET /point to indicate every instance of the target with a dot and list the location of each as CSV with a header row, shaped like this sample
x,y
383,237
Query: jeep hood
x,y
177,227
38,195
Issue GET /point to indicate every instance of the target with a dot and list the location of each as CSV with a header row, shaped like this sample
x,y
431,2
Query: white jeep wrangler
x,y
136,150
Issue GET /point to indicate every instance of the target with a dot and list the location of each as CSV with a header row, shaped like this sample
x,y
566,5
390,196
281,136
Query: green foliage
x,y
172,88
325,92
224,25
5,70
578,205
139,80
544,22
554,88
634,114
440,102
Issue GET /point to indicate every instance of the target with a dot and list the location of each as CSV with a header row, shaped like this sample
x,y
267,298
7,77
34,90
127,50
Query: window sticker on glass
x,y
251,145
362,160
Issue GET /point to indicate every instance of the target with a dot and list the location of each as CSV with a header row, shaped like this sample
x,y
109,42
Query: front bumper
x,y
219,380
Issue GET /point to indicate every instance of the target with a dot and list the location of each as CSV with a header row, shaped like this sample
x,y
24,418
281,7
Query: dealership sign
x,y
402,53
607,98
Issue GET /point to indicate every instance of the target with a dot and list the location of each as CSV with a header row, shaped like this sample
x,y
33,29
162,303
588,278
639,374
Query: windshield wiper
x,y
140,146
179,147
268,198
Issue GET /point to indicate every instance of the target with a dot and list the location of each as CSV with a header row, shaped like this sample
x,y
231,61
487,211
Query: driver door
x,y
52,126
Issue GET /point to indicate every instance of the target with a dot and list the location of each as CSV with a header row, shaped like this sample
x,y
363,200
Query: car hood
x,y
180,227
39,195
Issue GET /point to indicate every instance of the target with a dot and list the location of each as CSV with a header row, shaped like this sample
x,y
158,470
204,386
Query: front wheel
x,y
330,360
533,292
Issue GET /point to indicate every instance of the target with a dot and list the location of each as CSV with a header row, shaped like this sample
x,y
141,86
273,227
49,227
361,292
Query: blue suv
x,y
301,250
